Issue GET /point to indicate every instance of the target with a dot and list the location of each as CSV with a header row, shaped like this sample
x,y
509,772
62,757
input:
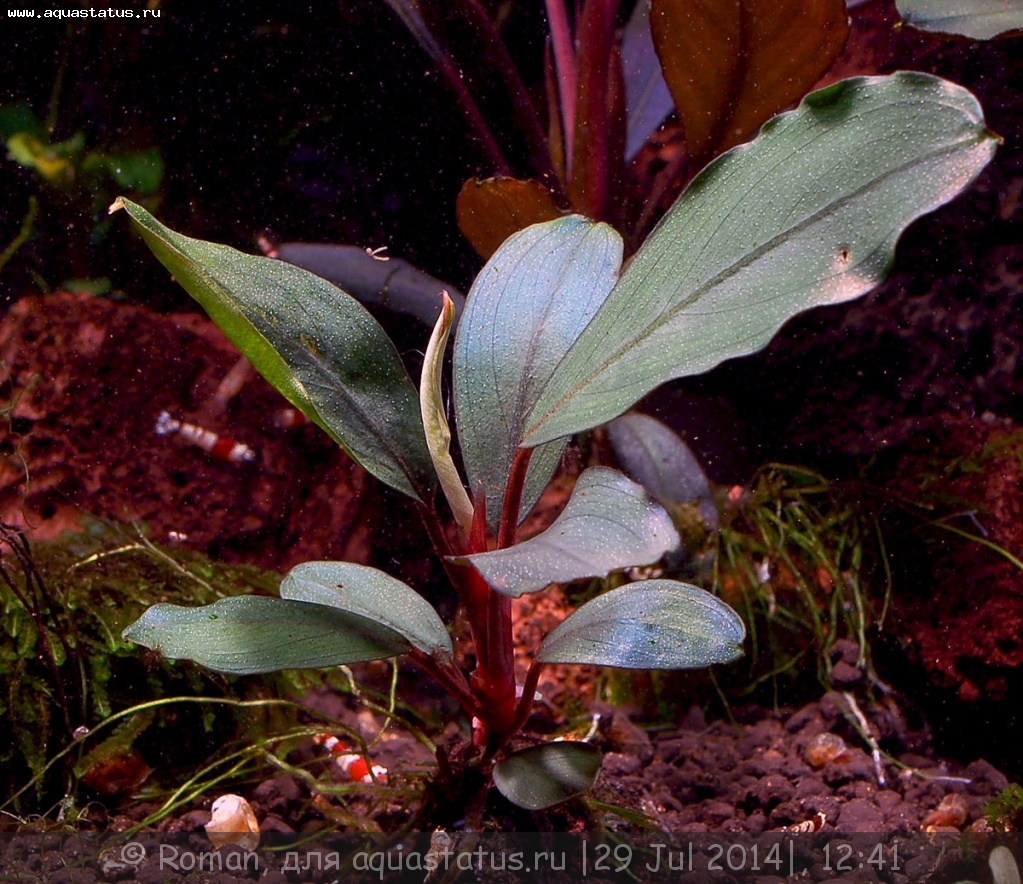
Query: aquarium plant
x,y
557,338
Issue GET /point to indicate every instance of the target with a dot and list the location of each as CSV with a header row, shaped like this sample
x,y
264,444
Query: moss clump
x,y
65,668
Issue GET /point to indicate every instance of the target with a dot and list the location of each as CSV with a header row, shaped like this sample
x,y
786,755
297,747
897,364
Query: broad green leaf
x,y
807,214
527,306
655,456
317,345
548,774
652,624
732,64
491,210
609,523
250,634
371,594
979,19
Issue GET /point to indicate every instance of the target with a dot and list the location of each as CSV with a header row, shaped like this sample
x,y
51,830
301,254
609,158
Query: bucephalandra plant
x,y
555,339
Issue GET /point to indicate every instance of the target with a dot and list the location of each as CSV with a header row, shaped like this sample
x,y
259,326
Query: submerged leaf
x,y
317,345
807,214
245,635
491,210
527,306
609,523
732,64
384,281
656,457
435,419
652,624
548,774
647,99
979,19
372,594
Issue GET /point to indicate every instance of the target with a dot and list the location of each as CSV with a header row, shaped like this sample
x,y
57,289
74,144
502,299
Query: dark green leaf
x,y
317,345
609,523
374,595
806,214
548,774
652,624
250,634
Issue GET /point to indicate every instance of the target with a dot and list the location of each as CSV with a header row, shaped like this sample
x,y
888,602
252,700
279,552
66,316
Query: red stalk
x,y
491,621
591,154
564,63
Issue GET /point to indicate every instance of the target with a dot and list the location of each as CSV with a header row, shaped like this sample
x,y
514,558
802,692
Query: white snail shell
x,y
232,821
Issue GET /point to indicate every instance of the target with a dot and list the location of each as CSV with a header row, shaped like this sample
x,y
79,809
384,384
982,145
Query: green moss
x,y
64,666
1005,813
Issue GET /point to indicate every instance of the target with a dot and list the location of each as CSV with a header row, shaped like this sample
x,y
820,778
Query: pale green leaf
x,y
978,19
250,634
372,594
548,774
435,420
807,214
609,523
652,624
527,306
317,345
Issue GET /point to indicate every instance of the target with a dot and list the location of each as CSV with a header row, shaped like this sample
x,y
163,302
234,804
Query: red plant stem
x,y
448,675
513,498
522,104
526,700
492,623
564,62
411,17
589,186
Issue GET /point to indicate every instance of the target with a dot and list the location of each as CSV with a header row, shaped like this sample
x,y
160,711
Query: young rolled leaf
x,y
545,775
979,19
245,635
371,594
609,523
732,64
655,456
652,624
527,306
317,345
807,214
435,419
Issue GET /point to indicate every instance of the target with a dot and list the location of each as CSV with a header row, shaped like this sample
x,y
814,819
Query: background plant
x,y
555,339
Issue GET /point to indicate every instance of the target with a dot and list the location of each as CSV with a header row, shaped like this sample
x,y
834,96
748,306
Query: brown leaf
x,y
491,210
733,64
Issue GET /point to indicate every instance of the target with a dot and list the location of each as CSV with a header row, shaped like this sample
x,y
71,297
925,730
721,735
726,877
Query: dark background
x,y
316,122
